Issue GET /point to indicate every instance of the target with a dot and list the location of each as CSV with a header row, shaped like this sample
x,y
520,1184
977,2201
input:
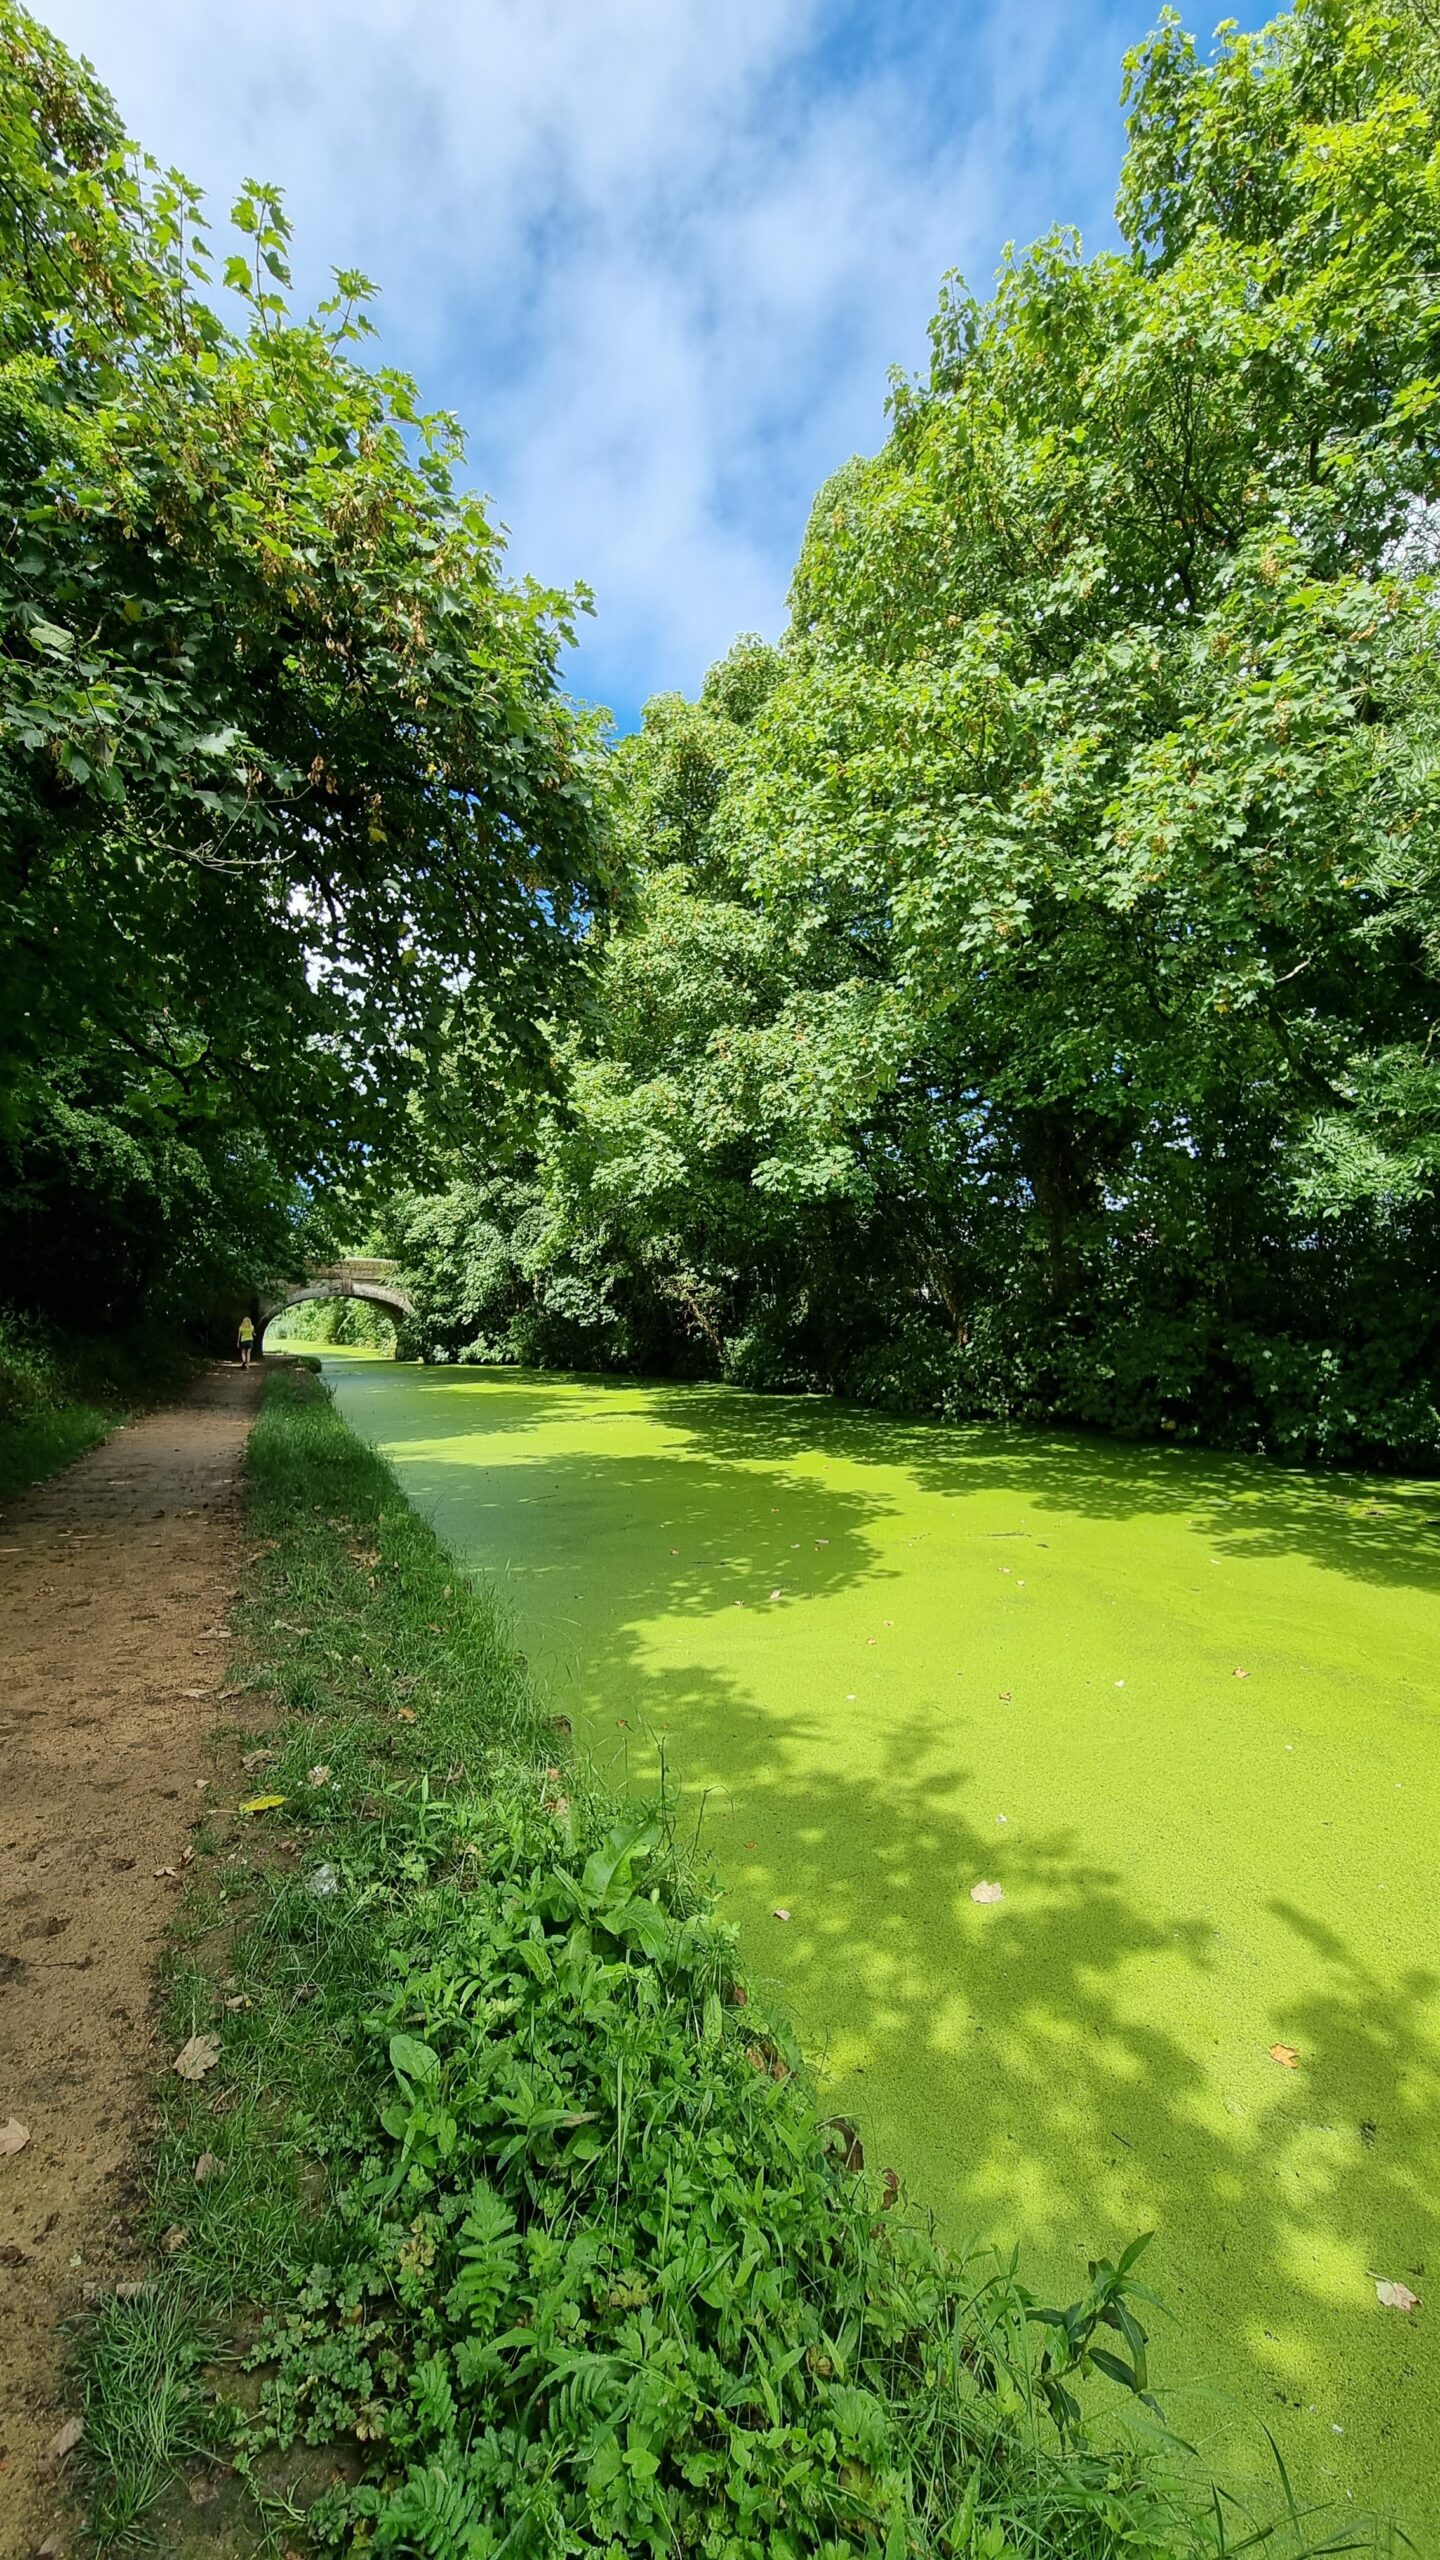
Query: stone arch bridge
x,y
359,1277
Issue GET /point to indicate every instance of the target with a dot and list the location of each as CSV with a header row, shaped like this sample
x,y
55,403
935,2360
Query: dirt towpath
x,y
115,1581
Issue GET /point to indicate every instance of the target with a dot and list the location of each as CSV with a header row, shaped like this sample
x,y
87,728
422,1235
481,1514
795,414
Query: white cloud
x,y
658,254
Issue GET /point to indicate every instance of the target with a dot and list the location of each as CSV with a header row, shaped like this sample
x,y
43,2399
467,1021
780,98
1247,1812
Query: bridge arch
x,y
359,1276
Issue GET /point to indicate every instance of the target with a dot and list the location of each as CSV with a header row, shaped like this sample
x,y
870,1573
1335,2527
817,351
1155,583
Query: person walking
x,y
246,1340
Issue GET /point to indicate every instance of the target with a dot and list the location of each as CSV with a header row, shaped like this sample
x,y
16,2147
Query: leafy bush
x,y
60,1393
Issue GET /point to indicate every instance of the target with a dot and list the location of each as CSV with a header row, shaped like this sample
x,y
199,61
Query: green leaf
x,y
413,2060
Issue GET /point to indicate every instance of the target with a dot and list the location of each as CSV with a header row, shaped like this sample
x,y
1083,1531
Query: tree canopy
x,y
289,792
1024,997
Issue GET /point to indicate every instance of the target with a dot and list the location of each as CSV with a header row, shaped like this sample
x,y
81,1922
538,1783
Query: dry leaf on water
x,y
779,1914
13,2137
984,1892
1396,2297
1286,2054
1239,1674
197,2057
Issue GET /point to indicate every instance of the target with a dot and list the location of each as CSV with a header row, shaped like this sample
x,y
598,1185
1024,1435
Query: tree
x,y
289,793
1024,996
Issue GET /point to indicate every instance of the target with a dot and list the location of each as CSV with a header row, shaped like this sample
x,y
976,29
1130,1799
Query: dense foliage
x,y
61,1392
1025,1000
555,2255
286,790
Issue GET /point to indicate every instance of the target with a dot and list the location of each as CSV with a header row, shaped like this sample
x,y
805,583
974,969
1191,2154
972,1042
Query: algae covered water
x,y
1182,1710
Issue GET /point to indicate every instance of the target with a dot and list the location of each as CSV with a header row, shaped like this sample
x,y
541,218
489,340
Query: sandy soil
x,y
115,1581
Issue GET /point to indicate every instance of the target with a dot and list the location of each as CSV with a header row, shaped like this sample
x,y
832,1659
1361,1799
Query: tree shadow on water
x,y
1381,1529
1034,2071
1375,1529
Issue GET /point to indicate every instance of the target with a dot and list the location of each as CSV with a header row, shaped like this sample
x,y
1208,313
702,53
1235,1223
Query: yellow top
x,y
247,1330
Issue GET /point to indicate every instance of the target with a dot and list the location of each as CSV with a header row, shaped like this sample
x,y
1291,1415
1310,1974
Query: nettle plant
x,y
597,2278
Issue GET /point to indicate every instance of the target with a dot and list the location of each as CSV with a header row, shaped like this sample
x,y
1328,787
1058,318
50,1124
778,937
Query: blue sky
x,y
659,255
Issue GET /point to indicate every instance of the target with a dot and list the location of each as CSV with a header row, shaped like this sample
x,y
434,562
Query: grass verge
x,y
496,2219
59,1394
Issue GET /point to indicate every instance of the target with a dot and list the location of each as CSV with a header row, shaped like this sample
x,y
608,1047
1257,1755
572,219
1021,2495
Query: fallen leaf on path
x,y
779,1914
61,2444
1396,2297
1286,2054
206,2168
165,1871
259,1804
984,1892
13,2137
198,2056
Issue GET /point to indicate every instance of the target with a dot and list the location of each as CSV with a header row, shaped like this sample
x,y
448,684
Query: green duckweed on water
x,y
1181,1709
